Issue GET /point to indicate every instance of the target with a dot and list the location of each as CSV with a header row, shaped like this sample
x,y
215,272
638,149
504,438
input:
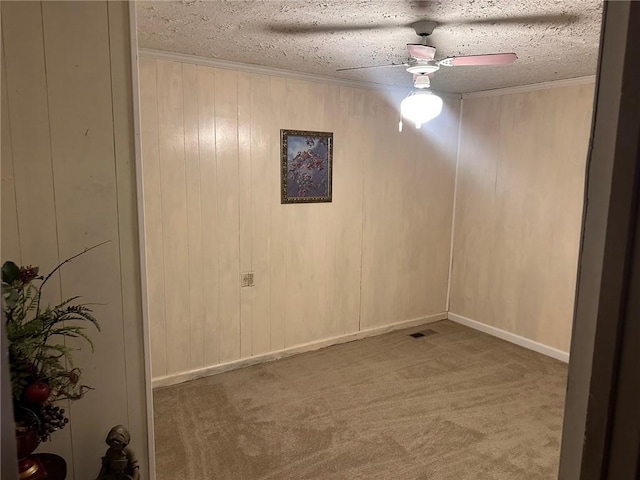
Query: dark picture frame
x,y
306,166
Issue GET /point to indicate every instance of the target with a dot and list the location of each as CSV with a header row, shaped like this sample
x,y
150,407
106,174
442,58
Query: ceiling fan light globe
x,y
420,106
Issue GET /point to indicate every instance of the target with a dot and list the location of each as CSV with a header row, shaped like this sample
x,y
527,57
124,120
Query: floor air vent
x,y
423,333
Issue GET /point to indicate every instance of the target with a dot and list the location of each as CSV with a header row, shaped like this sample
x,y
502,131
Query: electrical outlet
x,y
246,279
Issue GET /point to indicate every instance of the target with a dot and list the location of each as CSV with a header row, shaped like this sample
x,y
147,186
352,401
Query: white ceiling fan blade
x,y
372,66
421,52
472,60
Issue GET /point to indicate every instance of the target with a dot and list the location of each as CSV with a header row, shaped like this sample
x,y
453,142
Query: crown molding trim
x,y
567,82
278,72
244,67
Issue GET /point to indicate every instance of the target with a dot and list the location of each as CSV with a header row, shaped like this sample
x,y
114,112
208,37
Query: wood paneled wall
x,y
377,255
68,182
519,210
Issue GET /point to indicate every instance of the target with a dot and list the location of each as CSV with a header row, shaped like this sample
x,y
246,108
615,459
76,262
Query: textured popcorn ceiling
x,y
302,36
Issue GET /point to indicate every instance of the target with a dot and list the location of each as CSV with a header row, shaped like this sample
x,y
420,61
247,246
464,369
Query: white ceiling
x,y
557,39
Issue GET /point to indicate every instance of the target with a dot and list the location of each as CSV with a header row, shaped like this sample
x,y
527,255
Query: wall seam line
x,y
455,204
215,165
271,236
164,273
239,199
186,202
362,216
201,285
250,123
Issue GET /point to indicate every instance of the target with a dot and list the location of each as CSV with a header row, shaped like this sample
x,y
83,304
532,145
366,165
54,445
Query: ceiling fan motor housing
x,y
424,28
421,81
422,67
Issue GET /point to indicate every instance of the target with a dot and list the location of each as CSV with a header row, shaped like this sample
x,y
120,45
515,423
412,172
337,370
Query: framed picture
x,y
307,166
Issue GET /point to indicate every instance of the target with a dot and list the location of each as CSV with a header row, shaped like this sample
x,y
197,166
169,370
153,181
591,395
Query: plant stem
x,y
58,268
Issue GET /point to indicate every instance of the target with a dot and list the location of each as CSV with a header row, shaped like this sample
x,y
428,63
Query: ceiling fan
x,y
422,63
421,60
421,105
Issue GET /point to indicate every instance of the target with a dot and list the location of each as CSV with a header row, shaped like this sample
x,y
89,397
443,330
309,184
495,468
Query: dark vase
x,y
29,466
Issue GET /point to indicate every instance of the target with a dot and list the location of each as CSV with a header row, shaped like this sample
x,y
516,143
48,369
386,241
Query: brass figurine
x,y
119,462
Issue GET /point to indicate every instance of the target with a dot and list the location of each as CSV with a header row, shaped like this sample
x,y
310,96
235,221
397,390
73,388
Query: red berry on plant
x,y
28,274
37,392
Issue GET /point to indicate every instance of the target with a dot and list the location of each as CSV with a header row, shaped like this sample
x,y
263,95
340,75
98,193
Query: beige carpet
x,y
456,405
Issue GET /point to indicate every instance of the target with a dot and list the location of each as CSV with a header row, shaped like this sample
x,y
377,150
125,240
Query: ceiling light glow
x,y
420,106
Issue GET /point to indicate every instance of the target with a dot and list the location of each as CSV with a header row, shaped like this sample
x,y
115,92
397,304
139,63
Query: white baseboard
x,y
287,352
511,337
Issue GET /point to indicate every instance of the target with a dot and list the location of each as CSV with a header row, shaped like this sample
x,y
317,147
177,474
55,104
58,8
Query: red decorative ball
x,y
37,392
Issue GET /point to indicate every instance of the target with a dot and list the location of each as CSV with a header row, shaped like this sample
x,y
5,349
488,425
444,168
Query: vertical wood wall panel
x,y
306,238
245,211
280,115
382,238
345,246
209,215
171,146
82,149
194,213
27,111
518,211
333,271
262,204
226,134
153,216
392,193
10,238
68,114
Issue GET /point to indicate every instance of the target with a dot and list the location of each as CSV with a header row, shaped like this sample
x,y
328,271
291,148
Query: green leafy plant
x,y
41,364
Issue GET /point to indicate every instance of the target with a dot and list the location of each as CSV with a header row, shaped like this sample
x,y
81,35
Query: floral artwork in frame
x,y
307,166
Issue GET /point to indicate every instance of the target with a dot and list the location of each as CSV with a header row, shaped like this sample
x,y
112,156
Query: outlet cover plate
x,y
246,279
